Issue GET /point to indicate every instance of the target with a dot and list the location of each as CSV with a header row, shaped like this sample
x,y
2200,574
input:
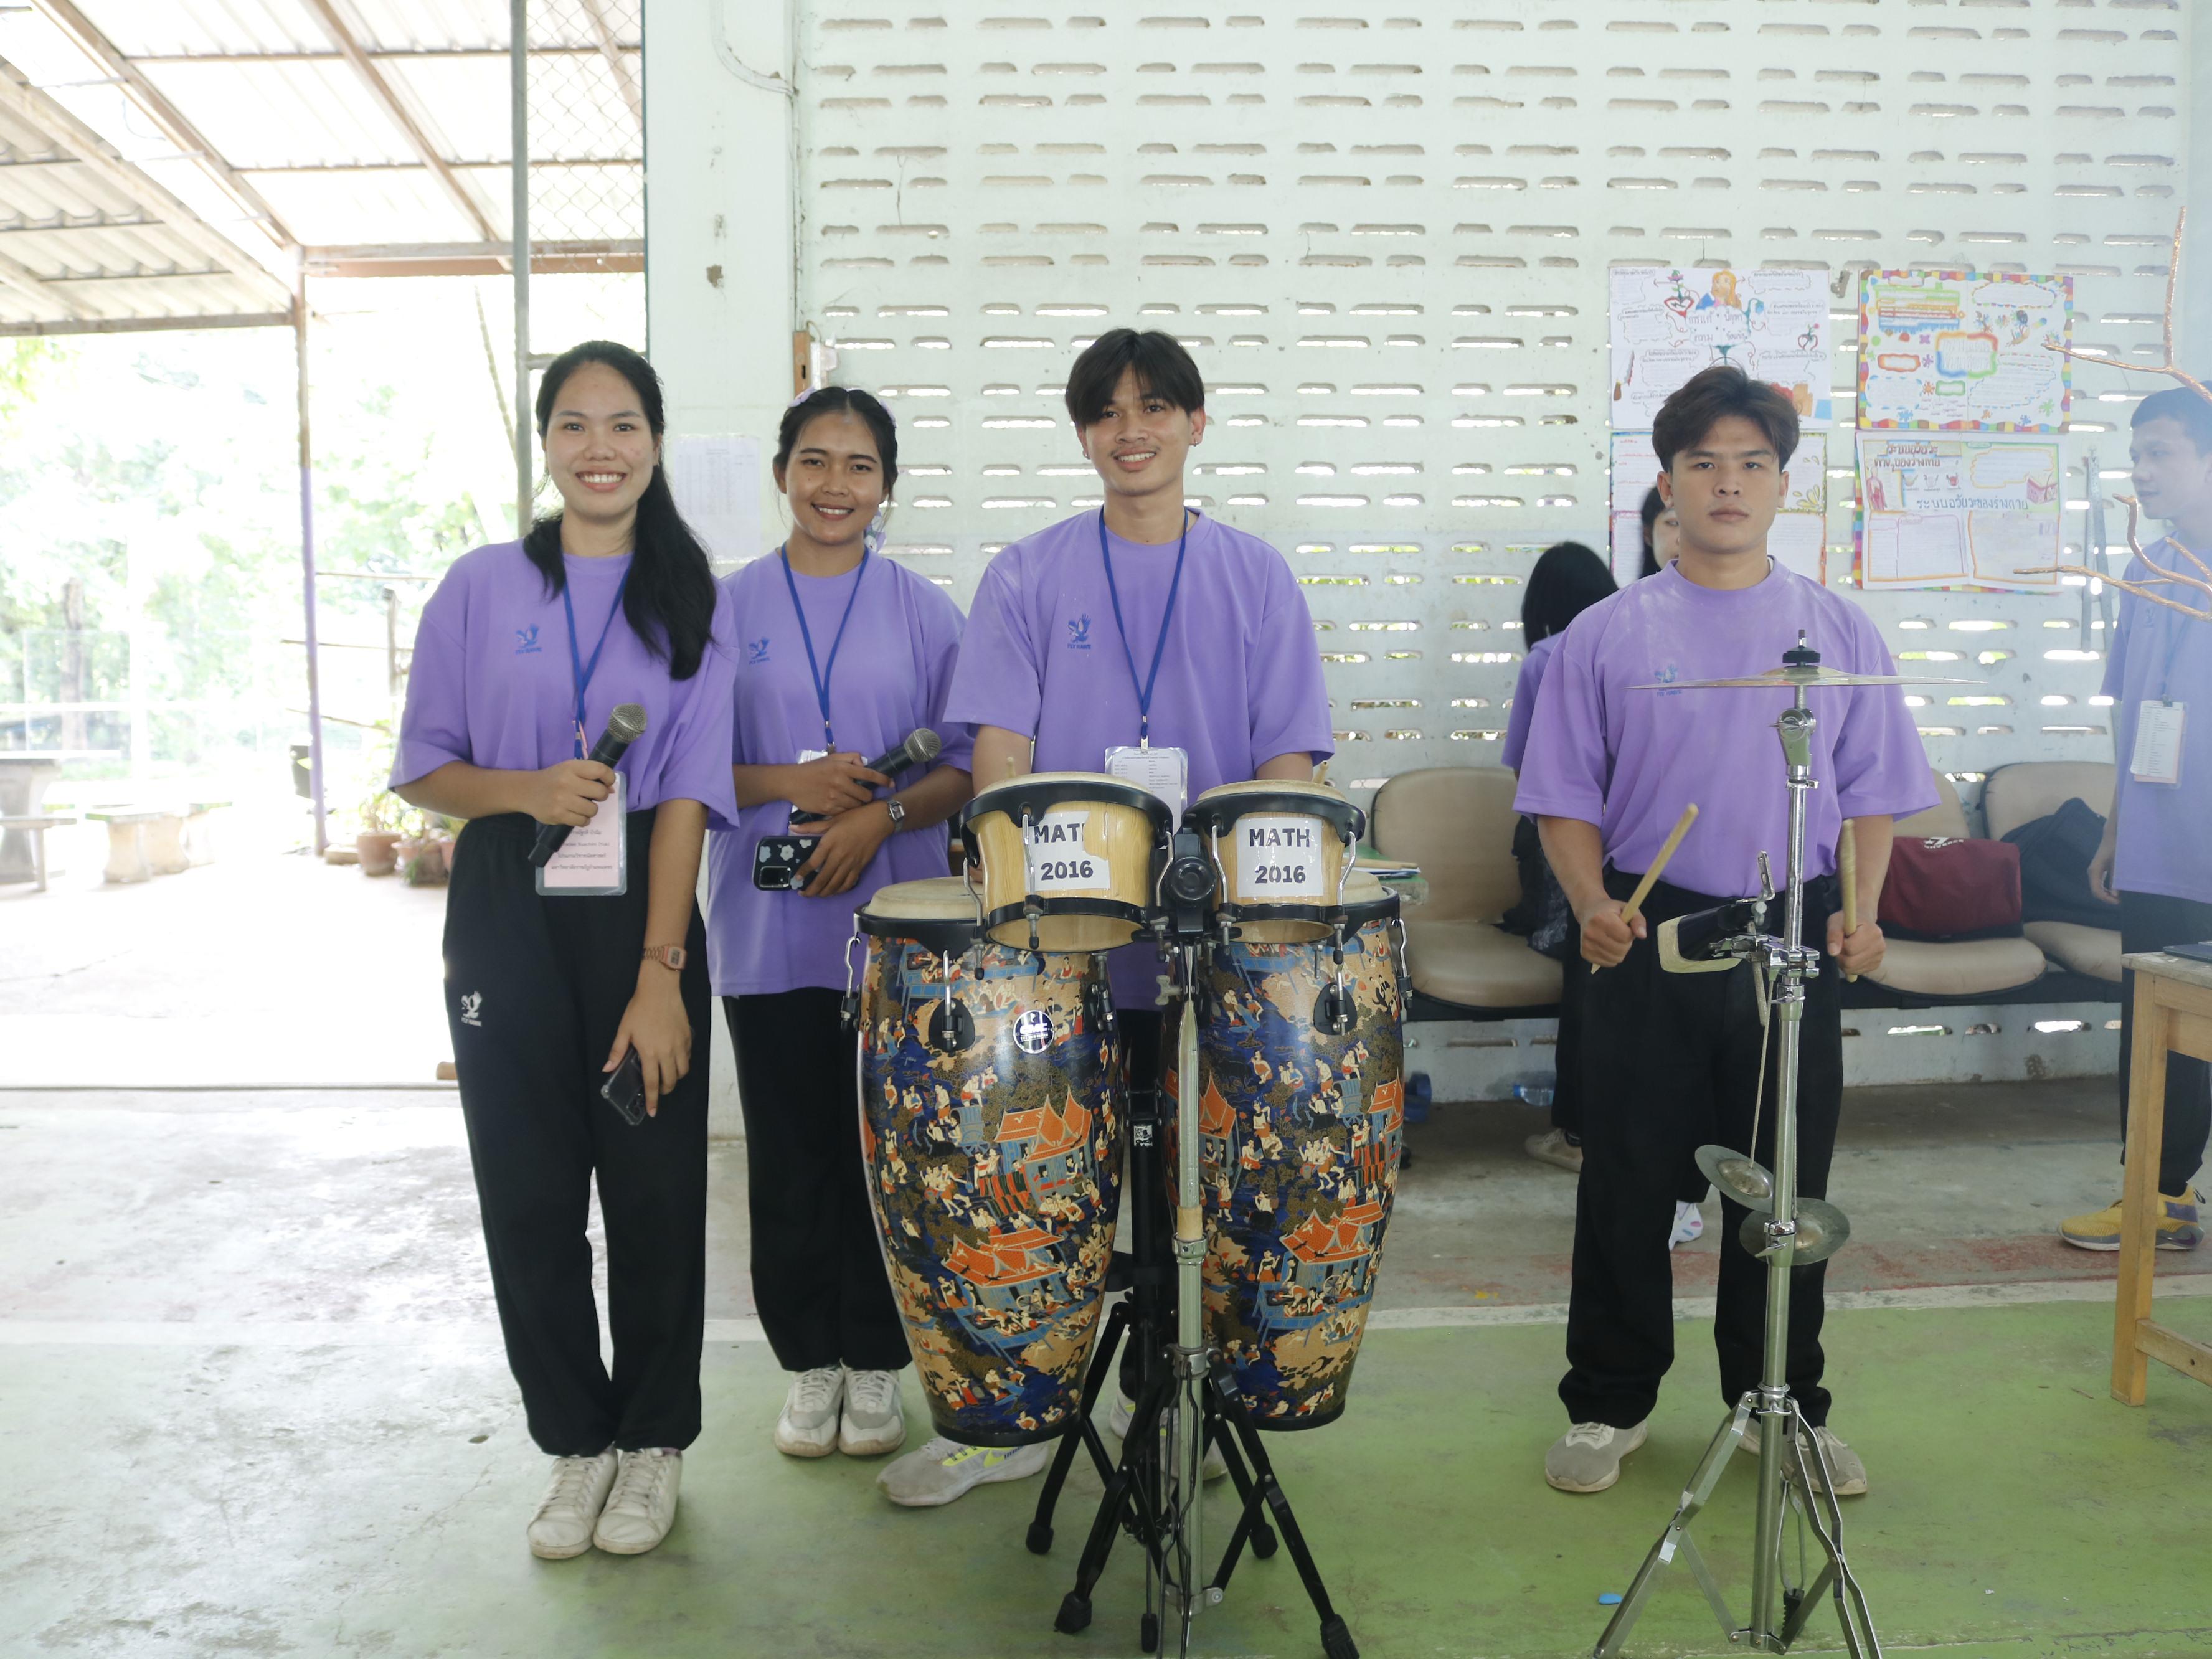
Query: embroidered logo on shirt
x,y
471,1004
528,638
1079,634
757,651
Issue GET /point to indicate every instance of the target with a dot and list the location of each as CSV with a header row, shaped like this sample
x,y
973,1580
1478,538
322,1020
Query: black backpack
x,y
2054,867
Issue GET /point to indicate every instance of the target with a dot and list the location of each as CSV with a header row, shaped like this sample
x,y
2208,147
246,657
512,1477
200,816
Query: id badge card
x,y
1165,772
2157,758
794,818
594,861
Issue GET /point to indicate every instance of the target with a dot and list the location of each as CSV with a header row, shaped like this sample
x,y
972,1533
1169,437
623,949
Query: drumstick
x,y
1635,905
1847,872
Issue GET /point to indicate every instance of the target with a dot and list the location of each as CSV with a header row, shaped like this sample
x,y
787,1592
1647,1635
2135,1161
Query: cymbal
x,y
1822,1229
1789,678
1741,1178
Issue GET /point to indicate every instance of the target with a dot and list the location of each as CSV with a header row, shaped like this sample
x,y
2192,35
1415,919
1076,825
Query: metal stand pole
x,y
518,199
1785,1444
315,790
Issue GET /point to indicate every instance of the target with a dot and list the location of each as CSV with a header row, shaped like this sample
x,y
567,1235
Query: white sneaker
x,y
1689,1223
1846,1469
874,1418
570,1508
807,1426
1117,1424
642,1506
945,1469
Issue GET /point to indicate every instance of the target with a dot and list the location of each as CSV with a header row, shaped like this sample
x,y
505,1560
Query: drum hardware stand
x,y
1778,1608
1188,1399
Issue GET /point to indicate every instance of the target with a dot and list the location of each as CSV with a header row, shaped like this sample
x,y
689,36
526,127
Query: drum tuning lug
x,y
849,1011
956,1027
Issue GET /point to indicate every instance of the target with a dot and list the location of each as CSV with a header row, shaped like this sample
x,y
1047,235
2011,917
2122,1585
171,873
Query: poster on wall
x,y
1949,511
1953,351
1668,322
1798,540
716,482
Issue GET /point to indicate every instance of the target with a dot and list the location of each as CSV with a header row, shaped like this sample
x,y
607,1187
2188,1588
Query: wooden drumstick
x,y
1847,873
1634,907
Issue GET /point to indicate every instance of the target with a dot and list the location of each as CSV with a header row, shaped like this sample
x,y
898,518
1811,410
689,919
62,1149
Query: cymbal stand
x,y
1778,1608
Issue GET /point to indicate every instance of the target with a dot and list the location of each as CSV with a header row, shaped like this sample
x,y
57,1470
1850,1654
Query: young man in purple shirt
x,y
1143,623
2155,864
1673,1062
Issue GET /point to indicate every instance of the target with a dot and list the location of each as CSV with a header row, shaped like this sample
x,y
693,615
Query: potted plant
x,y
376,837
421,859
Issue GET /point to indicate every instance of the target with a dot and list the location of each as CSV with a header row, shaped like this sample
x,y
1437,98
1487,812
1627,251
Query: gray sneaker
x,y
1846,1470
807,1425
1552,1147
1587,1457
945,1469
874,1418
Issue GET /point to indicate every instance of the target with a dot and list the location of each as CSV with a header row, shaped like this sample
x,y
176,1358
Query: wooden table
x,y
2173,1015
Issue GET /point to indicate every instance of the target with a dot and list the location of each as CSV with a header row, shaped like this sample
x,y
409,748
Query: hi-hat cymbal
x,y
1822,1229
1788,677
1739,1177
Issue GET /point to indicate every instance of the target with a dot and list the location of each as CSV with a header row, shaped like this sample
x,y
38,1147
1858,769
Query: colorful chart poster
x,y
1958,511
1798,540
1952,351
1668,322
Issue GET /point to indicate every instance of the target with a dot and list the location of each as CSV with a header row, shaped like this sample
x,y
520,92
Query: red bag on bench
x,y
1945,888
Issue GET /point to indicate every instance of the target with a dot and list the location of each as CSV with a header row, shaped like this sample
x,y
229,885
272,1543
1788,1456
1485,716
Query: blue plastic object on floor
x,y
1418,1097
1608,1599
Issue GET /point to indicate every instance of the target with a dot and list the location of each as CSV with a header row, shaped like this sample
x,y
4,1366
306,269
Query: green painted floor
x,y
368,1500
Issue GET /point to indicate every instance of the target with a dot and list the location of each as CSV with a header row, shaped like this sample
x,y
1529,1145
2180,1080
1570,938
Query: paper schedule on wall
x,y
1951,351
1944,511
1798,540
1668,322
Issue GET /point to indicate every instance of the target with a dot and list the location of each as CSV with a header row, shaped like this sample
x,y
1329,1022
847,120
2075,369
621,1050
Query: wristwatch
x,y
672,956
898,815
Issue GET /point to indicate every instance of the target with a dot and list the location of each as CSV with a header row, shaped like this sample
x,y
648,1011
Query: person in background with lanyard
x,y
1145,640
555,977
844,654
2154,863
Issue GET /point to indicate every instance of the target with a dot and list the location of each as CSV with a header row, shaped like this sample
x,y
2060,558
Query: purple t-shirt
x,y
1240,679
891,675
1630,761
1527,685
2159,654
492,683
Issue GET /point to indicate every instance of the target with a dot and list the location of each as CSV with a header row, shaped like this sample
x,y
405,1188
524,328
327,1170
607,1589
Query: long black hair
x,y
840,400
1567,580
669,600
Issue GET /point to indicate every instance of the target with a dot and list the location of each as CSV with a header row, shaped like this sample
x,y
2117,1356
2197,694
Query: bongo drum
x,y
990,1093
1283,850
1063,859
1300,1133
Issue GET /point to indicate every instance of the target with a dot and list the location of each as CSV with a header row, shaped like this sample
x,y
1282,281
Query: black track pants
x,y
535,990
2151,922
819,1283
1670,1061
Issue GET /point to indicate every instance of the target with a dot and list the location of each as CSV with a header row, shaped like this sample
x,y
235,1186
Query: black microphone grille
x,y
924,745
627,721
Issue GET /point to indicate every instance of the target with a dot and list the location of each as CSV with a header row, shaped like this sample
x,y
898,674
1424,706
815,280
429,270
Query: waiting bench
x,y
33,830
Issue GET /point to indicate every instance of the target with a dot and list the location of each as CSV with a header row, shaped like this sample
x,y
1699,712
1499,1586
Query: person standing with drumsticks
x,y
1142,639
580,972
1673,1061
844,654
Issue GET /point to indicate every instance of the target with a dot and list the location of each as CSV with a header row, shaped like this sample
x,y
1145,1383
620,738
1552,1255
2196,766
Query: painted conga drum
x,y
1300,1132
991,1091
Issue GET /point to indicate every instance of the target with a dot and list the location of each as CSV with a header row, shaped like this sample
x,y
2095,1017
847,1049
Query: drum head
x,y
1366,899
1039,790
940,912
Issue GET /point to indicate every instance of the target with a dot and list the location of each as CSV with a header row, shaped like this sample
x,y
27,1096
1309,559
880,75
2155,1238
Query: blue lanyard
x,y
580,671
821,674
1160,646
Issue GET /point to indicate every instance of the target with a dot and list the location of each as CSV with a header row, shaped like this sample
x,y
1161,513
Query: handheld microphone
x,y
625,726
921,746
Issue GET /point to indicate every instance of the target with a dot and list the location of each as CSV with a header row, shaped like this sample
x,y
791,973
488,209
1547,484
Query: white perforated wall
x,y
1386,238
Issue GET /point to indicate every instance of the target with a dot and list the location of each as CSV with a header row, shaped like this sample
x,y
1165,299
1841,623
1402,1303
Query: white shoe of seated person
x,y
642,1505
562,1526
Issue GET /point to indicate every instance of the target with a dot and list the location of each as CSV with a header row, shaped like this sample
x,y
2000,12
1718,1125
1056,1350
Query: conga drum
x,y
990,1092
1063,859
1283,850
1300,1130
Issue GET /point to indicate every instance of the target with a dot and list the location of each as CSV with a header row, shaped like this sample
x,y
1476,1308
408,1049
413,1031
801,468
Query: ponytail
x,y
669,600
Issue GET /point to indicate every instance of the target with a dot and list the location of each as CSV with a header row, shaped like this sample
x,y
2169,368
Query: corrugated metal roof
x,y
235,110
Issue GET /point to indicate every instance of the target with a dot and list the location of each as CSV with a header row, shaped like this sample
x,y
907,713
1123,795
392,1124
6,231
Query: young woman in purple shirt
x,y
1673,1062
844,654
524,651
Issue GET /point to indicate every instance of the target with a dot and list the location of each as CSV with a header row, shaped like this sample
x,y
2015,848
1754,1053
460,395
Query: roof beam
x,y
31,104
152,325
174,126
471,259
20,278
603,32
388,101
375,54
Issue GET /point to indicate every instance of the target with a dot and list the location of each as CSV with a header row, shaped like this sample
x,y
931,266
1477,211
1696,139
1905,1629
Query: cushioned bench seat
x,y
1477,965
